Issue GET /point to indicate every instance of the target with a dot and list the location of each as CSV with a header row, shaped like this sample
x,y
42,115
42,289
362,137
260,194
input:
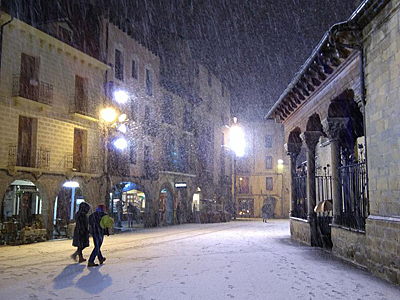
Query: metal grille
x,y
300,197
354,206
41,159
323,186
38,91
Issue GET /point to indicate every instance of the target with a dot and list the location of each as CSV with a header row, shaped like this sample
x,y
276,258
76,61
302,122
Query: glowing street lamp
x,y
121,96
109,114
120,143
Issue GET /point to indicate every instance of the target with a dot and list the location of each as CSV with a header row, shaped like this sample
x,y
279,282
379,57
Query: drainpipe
x,y
1,39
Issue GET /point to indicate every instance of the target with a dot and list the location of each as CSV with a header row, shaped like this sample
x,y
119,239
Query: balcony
x,y
86,164
31,89
27,157
80,104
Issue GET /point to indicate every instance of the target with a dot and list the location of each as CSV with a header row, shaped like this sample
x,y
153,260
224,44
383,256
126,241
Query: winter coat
x,y
81,231
94,223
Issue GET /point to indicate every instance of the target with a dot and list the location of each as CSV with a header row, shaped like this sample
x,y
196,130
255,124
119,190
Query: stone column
x,y
333,127
293,150
311,139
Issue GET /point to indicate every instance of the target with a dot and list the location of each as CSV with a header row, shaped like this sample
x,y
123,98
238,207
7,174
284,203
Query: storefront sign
x,y
180,185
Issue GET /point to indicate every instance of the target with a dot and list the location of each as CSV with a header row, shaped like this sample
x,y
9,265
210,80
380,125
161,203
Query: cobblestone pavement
x,y
236,260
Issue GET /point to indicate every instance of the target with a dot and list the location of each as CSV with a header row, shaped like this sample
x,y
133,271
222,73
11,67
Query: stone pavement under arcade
x,y
235,260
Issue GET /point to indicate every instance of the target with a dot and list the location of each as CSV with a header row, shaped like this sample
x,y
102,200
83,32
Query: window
x,y
188,118
149,83
183,156
244,185
269,183
147,120
134,69
119,65
81,95
268,162
133,153
134,110
268,141
168,109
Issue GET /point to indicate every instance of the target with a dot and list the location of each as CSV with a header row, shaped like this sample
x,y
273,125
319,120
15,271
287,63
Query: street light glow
x,y
108,114
122,128
71,184
236,140
122,118
280,161
120,143
121,97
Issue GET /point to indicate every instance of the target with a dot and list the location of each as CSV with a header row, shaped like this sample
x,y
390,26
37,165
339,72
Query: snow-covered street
x,y
236,260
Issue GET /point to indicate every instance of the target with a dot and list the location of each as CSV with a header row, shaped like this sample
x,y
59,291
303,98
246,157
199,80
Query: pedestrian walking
x,y
265,212
119,213
131,212
99,223
81,232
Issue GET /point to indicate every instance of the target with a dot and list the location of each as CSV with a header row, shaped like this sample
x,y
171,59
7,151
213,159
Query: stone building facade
x,y
339,113
50,96
260,172
53,135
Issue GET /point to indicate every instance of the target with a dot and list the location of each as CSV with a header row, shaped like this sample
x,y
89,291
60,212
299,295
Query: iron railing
x,y
29,157
300,197
80,104
354,204
31,89
323,186
87,164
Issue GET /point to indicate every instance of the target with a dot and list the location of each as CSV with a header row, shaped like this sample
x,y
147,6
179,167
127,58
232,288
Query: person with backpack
x,y
99,223
81,232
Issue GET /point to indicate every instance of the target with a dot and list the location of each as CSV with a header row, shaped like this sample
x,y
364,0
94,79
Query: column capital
x,y
333,127
311,138
293,149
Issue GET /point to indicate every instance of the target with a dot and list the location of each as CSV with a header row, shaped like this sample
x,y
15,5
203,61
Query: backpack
x,y
106,222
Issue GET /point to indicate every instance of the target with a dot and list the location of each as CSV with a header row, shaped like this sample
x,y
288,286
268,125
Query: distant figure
x,y
131,212
179,213
99,223
119,213
81,231
265,212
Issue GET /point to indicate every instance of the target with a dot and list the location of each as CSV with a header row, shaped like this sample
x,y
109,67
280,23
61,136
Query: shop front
x,y
129,206
21,217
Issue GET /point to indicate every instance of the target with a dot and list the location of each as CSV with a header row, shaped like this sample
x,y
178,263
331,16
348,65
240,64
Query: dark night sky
x,y
254,46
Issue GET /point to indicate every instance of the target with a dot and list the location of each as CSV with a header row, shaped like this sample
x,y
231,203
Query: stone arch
x,y
166,203
270,203
314,123
294,136
345,106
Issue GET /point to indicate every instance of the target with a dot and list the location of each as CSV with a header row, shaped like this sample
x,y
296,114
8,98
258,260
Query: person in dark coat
x,y
98,234
81,232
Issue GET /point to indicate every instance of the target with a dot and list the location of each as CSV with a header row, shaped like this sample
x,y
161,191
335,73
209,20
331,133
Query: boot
x,y
92,265
81,259
74,256
103,260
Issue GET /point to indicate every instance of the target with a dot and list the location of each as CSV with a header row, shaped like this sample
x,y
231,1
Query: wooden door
x,y
78,150
29,77
25,132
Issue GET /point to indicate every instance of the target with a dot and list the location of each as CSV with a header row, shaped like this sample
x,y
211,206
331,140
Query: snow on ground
x,y
236,260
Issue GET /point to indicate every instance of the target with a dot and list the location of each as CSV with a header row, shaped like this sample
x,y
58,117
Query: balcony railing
x,y
86,164
28,157
31,89
354,206
300,197
80,104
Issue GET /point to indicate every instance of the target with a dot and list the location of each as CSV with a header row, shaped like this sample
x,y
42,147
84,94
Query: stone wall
x,y
382,80
378,249
300,231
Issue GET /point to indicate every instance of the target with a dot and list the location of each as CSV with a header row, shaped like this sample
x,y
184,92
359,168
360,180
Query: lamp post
x,y
237,144
111,119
